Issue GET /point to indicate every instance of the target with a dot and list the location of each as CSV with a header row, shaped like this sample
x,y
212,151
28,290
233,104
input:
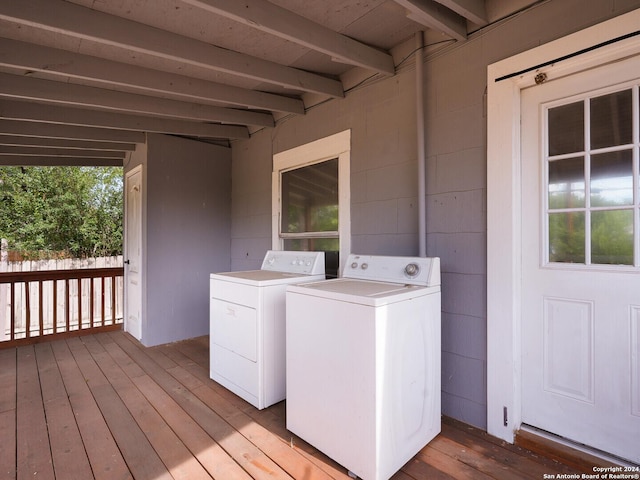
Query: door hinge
x,y
505,418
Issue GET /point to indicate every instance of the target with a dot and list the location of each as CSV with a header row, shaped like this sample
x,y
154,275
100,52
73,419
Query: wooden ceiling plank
x,y
31,57
433,15
30,129
29,111
14,86
81,22
283,23
18,140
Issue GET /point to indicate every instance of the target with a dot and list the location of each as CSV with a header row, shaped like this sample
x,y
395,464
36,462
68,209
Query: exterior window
x,y
592,199
309,219
311,199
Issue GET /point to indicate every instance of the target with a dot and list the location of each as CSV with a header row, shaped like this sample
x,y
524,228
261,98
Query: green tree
x,y
74,211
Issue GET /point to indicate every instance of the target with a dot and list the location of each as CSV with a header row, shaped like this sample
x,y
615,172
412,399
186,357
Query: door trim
x,y
127,176
504,412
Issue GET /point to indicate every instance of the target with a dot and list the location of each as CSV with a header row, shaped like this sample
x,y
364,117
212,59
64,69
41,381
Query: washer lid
x,y
264,277
360,288
280,266
363,292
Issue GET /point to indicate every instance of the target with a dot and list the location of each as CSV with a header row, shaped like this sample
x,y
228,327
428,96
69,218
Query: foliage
x,y
610,233
62,211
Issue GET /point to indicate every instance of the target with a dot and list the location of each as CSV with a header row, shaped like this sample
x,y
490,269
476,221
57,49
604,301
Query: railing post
x,y
113,300
55,307
13,311
80,304
91,302
5,322
41,306
27,304
67,304
103,312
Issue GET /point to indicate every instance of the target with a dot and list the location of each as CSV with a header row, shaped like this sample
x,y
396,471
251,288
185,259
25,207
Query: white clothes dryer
x,y
247,324
363,362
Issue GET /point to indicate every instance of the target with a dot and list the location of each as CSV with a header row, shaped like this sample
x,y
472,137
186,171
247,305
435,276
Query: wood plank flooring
x,y
103,406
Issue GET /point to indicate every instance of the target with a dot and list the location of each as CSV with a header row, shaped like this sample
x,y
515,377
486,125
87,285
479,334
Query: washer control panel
x,y
307,263
423,271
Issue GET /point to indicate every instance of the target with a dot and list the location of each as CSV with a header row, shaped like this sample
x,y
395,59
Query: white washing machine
x,y
247,324
363,362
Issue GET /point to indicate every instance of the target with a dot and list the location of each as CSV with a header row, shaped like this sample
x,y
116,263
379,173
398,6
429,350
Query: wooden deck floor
x,y
104,407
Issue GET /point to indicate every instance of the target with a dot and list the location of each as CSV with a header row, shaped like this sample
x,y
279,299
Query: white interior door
x,y
133,252
581,258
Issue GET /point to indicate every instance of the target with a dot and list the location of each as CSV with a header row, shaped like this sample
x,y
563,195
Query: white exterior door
x,y
580,329
133,252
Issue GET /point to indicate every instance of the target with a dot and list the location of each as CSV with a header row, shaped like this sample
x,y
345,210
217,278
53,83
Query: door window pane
x,y
612,179
566,237
566,183
591,190
611,119
566,129
612,237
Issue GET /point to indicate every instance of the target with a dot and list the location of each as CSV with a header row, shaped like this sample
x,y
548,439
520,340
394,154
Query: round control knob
x,y
354,265
364,266
412,269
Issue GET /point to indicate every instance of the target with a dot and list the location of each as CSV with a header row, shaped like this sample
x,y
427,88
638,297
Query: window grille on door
x,y
592,178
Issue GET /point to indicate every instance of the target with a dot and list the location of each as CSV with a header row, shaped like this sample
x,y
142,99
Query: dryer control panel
x,y
305,263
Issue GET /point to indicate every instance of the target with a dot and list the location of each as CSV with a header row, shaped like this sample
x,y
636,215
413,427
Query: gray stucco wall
x,y
381,117
186,234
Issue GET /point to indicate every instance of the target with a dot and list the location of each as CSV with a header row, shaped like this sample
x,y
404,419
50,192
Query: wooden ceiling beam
x,y
58,161
31,111
275,20
18,140
122,76
473,10
21,87
68,19
58,152
432,14
31,129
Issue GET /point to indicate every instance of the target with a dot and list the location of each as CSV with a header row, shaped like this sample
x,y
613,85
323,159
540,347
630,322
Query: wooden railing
x,y
42,305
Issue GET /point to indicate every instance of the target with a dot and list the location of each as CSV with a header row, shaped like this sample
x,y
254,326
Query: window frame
x,y
327,148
